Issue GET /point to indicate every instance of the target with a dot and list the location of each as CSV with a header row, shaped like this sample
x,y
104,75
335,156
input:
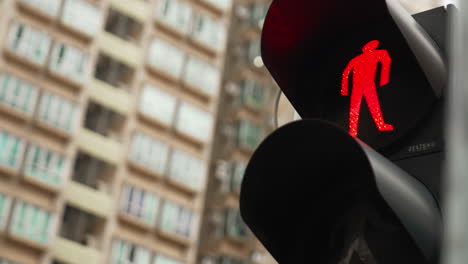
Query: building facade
x,y
107,116
245,117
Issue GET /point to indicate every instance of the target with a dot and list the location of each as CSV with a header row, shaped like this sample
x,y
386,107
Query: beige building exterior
x,y
107,117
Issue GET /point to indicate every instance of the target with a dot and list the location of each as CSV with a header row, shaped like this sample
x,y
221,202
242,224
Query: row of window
x,y
124,252
173,61
22,96
253,94
27,221
179,166
162,107
178,14
234,226
34,45
79,15
145,206
41,164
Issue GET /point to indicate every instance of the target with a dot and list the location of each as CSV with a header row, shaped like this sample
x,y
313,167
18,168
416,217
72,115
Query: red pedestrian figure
x,y
364,69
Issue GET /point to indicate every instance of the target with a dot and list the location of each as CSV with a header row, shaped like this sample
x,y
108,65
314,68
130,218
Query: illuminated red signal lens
x,y
364,69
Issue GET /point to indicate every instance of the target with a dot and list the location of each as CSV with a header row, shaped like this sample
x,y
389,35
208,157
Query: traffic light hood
x,y
307,45
310,189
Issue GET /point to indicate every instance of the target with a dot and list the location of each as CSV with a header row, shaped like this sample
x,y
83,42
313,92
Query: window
x,y
187,169
249,134
157,104
44,165
11,150
31,222
166,57
253,94
69,62
165,260
5,205
4,261
82,16
139,203
202,76
194,122
229,260
177,219
223,4
49,7
58,112
29,43
233,225
149,152
209,32
174,13
251,50
128,253
258,12
238,170
17,94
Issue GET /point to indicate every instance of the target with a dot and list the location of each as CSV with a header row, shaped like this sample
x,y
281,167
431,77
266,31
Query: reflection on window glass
x,y
69,62
28,42
166,57
157,104
58,112
174,13
82,16
186,169
44,165
149,152
139,203
49,7
31,222
18,94
124,252
177,219
202,76
11,150
194,122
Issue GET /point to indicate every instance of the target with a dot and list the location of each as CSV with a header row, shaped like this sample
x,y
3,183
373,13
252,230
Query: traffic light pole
x,y
455,244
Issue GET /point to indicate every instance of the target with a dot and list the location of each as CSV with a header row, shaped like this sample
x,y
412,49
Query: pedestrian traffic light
x,y
358,180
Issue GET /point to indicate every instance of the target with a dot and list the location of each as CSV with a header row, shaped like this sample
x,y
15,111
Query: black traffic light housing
x,y
312,192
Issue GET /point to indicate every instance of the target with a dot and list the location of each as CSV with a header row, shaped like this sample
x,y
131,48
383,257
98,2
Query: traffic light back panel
x,y
347,62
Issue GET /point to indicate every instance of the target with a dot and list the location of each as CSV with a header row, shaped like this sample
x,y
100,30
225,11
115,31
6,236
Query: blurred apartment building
x,y
124,129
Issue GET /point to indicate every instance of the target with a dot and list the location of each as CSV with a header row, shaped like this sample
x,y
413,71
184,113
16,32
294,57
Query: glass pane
x,y
194,122
166,57
83,16
44,165
11,150
209,32
5,204
49,7
31,222
58,111
149,152
187,169
158,104
69,62
17,93
28,42
174,13
202,76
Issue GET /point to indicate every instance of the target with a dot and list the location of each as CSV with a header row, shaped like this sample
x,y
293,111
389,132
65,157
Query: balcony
x,y
119,49
97,202
136,9
123,26
68,251
109,96
99,146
